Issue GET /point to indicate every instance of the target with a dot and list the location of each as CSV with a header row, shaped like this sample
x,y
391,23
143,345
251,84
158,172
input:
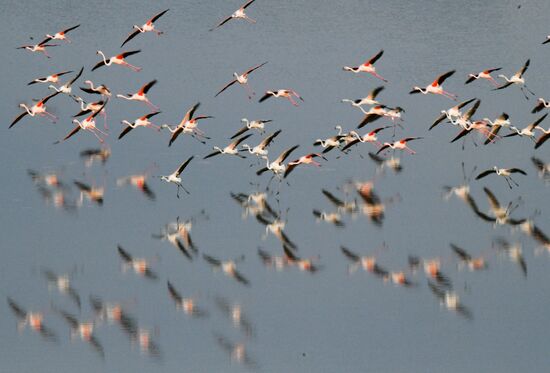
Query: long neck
x,y
127,123
219,149
104,61
139,28
124,97
82,106
78,122
247,123
30,112
267,163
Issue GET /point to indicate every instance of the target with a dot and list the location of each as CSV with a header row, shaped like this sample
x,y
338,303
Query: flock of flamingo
x,y
382,152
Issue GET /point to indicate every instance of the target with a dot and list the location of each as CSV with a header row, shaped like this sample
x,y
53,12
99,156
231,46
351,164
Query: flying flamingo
x,y
67,87
435,87
502,121
254,124
504,172
87,124
141,95
277,166
260,149
230,149
142,121
37,109
369,100
147,27
242,80
547,40
40,47
175,178
518,79
285,93
368,137
306,159
54,78
528,131
451,113
188,125
87,108
400,145
61,35
486,74
368,67
98,90
119,59
239,13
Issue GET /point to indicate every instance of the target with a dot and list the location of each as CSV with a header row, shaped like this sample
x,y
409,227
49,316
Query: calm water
x,y
330,320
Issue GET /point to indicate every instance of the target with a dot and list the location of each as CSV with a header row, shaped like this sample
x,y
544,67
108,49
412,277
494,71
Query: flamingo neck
x,y
107,63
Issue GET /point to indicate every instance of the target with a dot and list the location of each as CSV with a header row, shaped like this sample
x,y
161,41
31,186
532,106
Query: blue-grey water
x,y
330,320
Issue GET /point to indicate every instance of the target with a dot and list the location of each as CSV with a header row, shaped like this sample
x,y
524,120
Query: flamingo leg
x,y
292,101
379,77
492,80
51,116
151,105
508,182
513,181
249,91
528,90
249,19
135,68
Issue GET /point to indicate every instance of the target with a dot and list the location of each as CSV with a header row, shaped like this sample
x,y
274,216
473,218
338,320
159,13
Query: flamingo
x,y
54,78
239,13
230,149
518,79
330,143
485,74
140,182
141,95
542,104
175,178
98,90
254,124
260,149
87,124
91,108
504,172
142,121
236,314
285,93
187,125
502,121
373,114
528,131
277,166
450,300
61,35
368,67
400,145
451,113
547,40
369,100
147,27
435,87
90,155
305,159
368,137
40,47
37,109
67,87
119,59
242,79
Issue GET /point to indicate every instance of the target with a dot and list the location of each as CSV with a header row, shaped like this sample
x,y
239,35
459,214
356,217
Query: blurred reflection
x,y
543,169
513,252
303,264
33,319
84,330
93,194
139,265
393,163
95,154
254,204
367,263
235,313
501,215
138,181
237,351
188,305
450,300
228,267
62,284
473,264
176,232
